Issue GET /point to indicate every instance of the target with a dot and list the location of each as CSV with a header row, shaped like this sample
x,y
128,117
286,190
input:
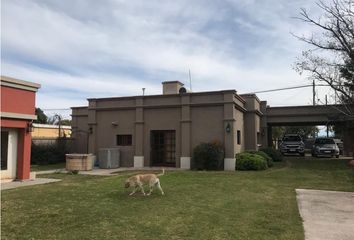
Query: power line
x,y
58,109
281,89
289,88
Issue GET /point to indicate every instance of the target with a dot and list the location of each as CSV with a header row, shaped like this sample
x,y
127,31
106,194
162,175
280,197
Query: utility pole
x,y
326,100
313,93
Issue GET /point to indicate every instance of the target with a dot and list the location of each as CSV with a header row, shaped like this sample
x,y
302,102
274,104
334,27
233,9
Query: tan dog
x,y
137,181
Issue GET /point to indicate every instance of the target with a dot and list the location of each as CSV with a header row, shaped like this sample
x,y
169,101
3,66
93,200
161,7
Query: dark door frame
x,y
163,148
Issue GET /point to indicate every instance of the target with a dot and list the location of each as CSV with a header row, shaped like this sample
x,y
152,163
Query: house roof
x,y
20,84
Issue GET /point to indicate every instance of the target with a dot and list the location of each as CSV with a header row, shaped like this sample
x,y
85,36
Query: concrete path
x,y
61,170
327,215
116,171
16,184
110,172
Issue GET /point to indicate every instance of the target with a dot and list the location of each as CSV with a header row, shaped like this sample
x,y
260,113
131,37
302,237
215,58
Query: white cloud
x,y
114,48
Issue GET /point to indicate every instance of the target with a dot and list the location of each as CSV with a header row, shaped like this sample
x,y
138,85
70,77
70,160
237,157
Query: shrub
x,y
208,156
43,154
264,155
273,153
250,161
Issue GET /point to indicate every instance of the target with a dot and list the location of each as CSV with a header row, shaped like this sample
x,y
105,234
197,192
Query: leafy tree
x,y
278,132
57,119
304,131
66,122
41,117
331,57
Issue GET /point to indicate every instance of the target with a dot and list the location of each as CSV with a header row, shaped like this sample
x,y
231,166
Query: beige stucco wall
x,y
207,125
109,125
161,119
239,125
252,122
80,128
50,131
195,117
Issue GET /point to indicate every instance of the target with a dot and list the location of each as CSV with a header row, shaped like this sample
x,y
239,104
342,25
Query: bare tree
x,y
331,57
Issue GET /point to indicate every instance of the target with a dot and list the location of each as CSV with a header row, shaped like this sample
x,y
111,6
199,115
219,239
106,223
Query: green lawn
x,y
197,205
36,168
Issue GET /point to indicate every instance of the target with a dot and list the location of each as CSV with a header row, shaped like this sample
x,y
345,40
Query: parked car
x,y
325,147
340,145
292,144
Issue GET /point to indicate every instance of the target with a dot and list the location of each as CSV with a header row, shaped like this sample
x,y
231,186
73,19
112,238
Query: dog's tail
x,y
161,174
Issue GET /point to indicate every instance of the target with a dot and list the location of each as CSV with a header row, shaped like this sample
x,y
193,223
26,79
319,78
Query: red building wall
x,y
19,101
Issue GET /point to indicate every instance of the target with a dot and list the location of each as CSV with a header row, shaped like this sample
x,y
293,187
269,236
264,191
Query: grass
x,y
36,168
197,205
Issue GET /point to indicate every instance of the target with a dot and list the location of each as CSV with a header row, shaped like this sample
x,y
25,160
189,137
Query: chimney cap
x,y
176,81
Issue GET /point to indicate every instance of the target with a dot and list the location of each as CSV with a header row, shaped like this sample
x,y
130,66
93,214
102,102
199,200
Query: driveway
x,y
326,215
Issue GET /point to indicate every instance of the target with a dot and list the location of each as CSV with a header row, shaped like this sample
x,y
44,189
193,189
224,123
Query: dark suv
x,y
325,147
292,143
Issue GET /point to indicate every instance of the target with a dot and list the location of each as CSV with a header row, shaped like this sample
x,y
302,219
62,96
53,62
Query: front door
x,y
9,140
163,148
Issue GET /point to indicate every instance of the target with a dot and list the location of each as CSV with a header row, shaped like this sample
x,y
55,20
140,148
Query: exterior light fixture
x,y
90,130
29,127
228,128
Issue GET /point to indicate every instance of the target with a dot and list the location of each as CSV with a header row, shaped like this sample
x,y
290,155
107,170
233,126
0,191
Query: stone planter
x,y
80,162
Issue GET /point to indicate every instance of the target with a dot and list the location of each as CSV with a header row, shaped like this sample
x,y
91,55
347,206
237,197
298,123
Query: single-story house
x,y
163,130
17,113
49,131
48,134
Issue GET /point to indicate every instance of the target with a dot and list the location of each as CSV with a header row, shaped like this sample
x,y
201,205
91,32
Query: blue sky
x,y
79,49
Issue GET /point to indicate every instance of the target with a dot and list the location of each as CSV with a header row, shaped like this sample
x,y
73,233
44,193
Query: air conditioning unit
x,y
109,157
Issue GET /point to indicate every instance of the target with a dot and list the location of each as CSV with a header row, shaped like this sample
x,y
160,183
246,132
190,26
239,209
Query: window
x,y
4,149
238,137
324,141
292,138
124,140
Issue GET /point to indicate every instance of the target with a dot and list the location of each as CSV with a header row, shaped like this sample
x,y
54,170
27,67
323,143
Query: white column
x,y
186,163
229,164
138,161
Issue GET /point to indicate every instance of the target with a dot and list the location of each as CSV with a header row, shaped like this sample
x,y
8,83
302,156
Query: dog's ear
x,y
127,184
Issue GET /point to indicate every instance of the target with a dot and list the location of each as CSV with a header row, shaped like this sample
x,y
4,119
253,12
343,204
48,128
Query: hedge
x,y
250,161
273,153
265,156
208,156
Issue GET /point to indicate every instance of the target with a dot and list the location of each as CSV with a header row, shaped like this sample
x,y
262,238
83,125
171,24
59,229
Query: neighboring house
x,y
48,131
47,134
163,130
17,114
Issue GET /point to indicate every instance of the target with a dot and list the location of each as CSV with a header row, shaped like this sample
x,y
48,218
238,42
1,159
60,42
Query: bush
x,y
48,153
250,161
265,156
208,156
273,153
